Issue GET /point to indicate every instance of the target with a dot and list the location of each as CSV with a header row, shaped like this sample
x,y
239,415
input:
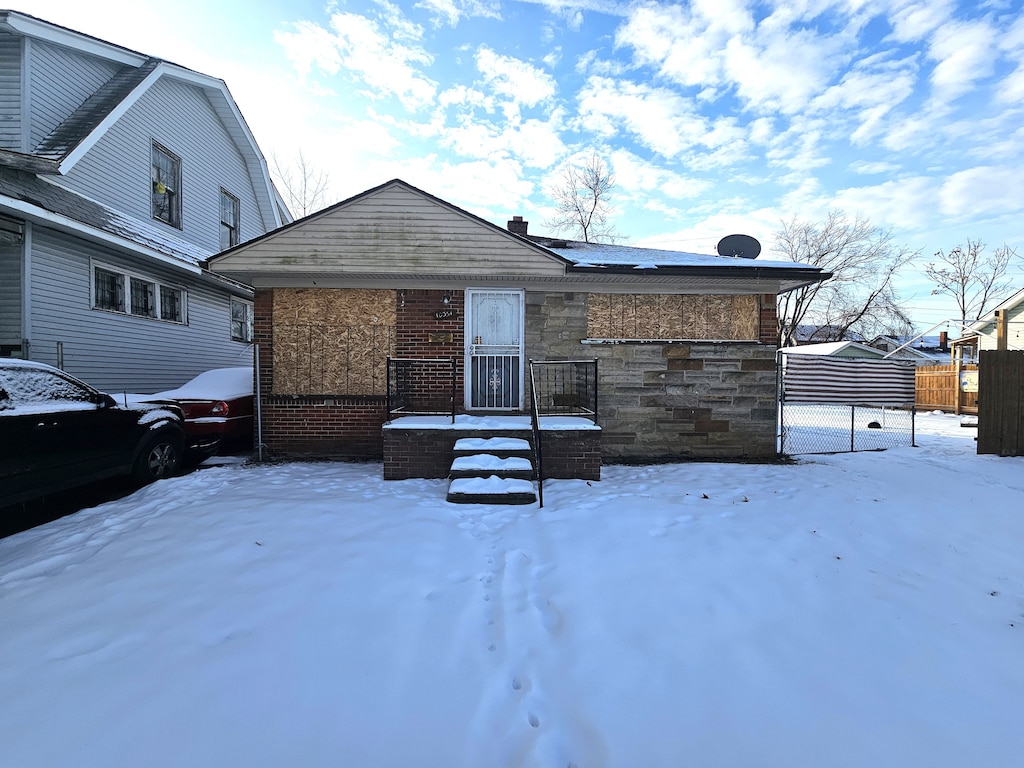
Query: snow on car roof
x,y
217,384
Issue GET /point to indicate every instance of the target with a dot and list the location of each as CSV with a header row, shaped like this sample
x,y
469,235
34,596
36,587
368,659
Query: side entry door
x,y
494,349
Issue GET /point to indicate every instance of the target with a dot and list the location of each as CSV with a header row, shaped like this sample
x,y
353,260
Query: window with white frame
x,y
241,320
117,290
166,186
228,220
109,290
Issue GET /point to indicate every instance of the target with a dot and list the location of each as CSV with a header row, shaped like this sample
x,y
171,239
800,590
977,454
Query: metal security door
x,y
494,349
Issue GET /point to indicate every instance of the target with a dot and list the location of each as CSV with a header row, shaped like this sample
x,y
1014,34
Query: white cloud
x,y
661,119
905,204
515,79
782,72
983,191
310,45
453,11
684,44
914,20
361,47
640,179
964,52
531,143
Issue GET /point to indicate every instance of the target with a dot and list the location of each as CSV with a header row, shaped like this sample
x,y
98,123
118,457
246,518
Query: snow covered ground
x,y
852,610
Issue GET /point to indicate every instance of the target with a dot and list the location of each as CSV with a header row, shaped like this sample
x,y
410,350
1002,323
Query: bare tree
x,y
974,280
582,201
303,185
859,297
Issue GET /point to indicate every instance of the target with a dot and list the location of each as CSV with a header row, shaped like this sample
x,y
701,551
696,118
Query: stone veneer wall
x,y
661,400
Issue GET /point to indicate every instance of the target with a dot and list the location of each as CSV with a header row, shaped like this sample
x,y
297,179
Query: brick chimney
x,y
943,341
517,226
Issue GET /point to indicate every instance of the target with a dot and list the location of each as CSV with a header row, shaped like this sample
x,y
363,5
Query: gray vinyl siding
x,y
116,352
178,116
10,93
60,80
10,294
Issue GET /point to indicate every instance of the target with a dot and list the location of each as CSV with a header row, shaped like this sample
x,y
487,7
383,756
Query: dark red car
x,y
218,407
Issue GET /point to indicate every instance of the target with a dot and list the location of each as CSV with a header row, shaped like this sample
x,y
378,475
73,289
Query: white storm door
x,y
494,349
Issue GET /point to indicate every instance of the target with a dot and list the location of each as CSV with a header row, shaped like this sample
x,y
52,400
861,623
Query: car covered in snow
x,y
57,432
218,407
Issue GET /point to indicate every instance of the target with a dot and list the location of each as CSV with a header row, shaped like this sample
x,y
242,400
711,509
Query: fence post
x,y
259,404
780,397
853,427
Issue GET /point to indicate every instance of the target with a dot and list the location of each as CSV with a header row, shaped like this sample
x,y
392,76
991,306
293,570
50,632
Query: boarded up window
x,y
332,341
638,316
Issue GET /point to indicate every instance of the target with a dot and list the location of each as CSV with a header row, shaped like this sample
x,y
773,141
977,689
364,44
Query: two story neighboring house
x,y
119,175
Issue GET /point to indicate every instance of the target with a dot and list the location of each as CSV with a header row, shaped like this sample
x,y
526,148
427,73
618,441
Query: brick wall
x,y
408,453
769,313
345,428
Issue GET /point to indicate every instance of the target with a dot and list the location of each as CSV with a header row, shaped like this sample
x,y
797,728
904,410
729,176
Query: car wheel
x,y
159,457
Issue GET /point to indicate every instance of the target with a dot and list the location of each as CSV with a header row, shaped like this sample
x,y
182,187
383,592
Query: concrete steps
x,y
493,470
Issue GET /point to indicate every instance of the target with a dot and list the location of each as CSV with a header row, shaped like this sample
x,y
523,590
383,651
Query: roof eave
x,y
29,163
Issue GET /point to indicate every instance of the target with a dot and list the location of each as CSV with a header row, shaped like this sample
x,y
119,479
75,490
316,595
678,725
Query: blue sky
x,y
716,116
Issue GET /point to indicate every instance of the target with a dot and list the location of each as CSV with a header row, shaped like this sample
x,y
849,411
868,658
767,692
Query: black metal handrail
x,y
560,388
421,387
537,449
565,387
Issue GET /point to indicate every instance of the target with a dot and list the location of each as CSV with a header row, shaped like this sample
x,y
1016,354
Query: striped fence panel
x,y
849,381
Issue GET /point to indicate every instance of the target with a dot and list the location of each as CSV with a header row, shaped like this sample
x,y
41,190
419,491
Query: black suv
x,y
57,432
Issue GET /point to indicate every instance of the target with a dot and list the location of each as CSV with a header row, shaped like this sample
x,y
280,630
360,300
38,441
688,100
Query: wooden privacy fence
x,y
947,388
1001,402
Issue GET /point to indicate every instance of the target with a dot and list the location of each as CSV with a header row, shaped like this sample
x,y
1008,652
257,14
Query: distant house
x,y
683,344
836,349
1002,328
119,174
922,350
807,333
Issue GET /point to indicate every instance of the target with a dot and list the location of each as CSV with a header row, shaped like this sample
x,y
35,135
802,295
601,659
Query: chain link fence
x,y
835,428
837,405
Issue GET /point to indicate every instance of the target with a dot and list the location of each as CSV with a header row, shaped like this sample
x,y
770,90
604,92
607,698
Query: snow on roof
x,y
615,255
46,195
830,348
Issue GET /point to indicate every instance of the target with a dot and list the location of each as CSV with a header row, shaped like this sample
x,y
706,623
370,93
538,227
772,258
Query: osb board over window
x,y
330,341
638,316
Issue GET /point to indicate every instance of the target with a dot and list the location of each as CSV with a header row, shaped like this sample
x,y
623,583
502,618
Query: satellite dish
x,y
743,246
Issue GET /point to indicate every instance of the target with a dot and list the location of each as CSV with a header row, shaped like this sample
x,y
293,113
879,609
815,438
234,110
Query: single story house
x,y
396,291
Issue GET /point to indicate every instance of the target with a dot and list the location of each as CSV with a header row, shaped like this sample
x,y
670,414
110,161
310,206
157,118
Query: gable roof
x,y
397,231
69,141
978,326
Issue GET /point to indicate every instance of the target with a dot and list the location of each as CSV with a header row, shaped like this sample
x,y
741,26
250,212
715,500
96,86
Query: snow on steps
x,y
494,470
491,490
483,464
